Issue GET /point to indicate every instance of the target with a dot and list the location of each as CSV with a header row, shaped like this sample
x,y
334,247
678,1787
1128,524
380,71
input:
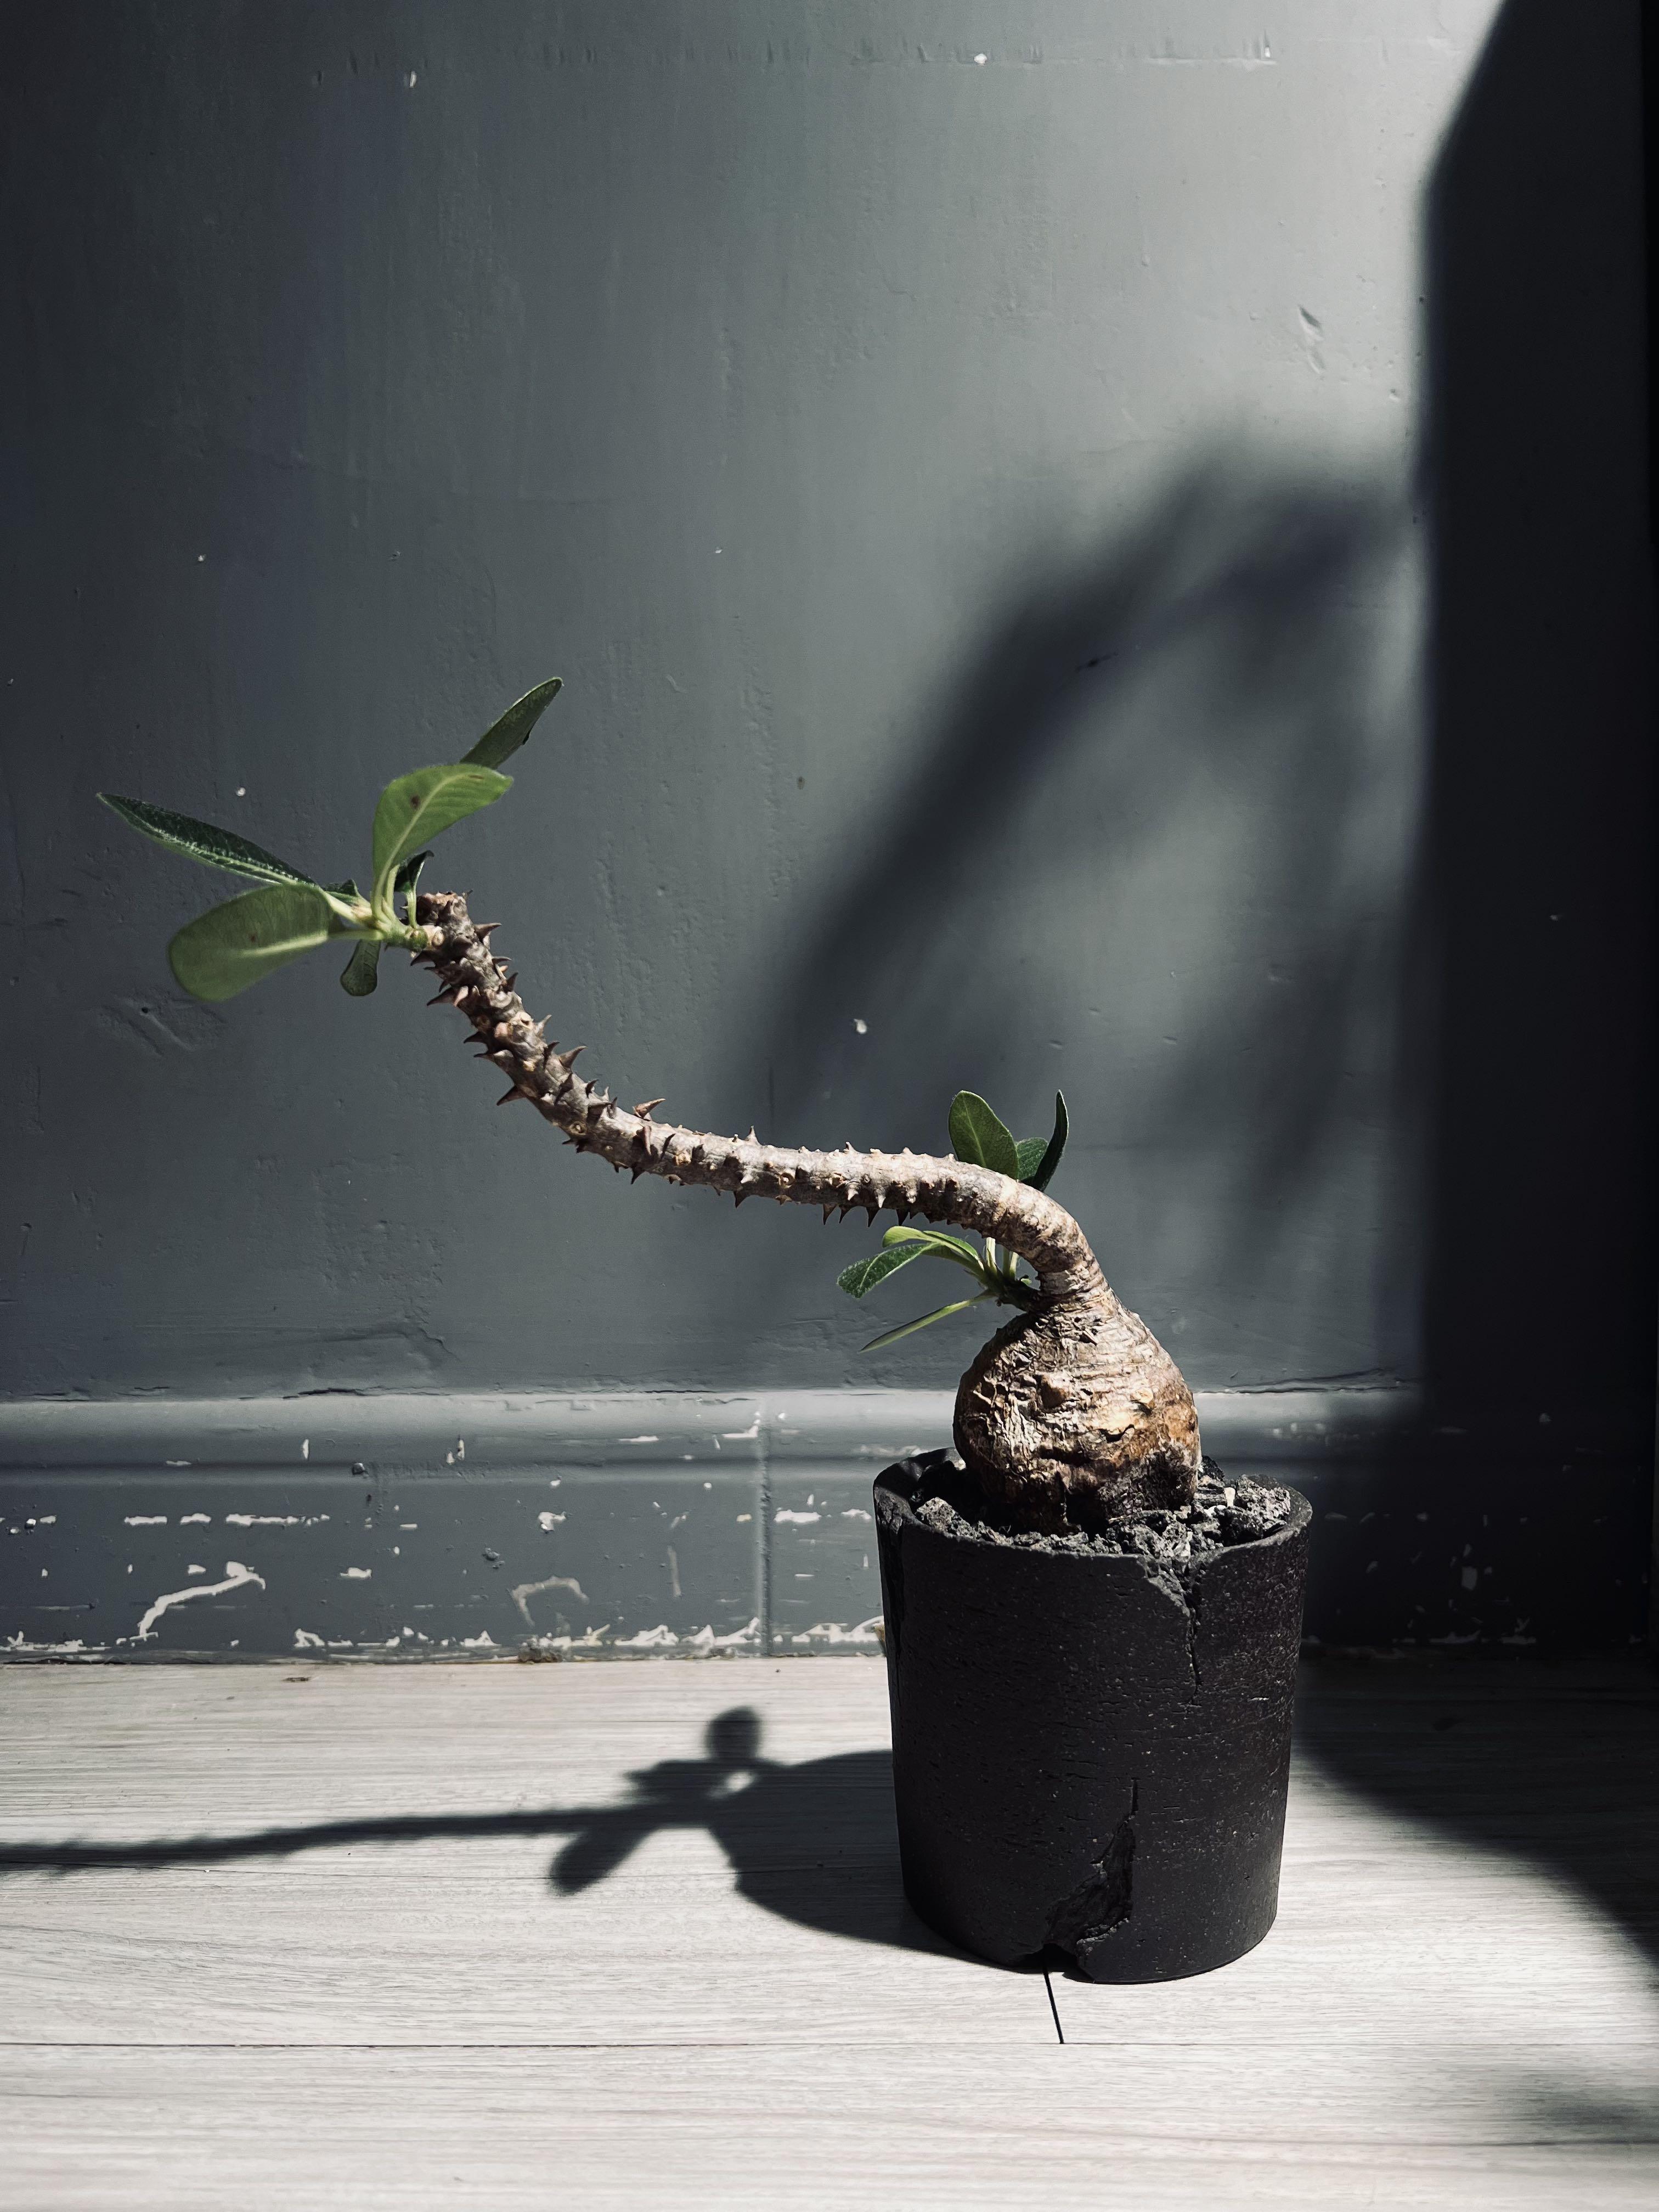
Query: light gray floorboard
x,y
734,2009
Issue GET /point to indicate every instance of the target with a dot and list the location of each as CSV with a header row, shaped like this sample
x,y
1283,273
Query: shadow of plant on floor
x,y
813,1842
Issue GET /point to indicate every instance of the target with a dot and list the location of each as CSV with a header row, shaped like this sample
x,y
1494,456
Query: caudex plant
x,y
1071,1417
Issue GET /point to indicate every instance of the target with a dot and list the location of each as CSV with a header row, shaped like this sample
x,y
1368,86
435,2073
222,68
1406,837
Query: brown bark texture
x,y
1071,1416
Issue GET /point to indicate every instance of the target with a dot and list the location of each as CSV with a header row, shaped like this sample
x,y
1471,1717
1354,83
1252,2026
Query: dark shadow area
x,y
813,1842
1345,963
1557,1767
1536,907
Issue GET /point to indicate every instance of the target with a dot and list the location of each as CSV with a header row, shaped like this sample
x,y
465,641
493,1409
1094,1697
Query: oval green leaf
x,y
979,1137
502,738
901,1246
416,807
204,841
230,946
362,971
864,1275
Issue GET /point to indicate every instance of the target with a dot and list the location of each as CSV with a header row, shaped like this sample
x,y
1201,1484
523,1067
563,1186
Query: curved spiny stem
x,y
1072,1412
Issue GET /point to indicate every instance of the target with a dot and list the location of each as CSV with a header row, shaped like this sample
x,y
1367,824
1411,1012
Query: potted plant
x,y
1091,1634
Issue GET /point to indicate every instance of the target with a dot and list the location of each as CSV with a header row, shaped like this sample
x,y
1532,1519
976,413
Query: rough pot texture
x,y
1090,1753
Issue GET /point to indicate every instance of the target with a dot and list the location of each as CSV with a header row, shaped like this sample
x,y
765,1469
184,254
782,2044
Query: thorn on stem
x,y
643,1109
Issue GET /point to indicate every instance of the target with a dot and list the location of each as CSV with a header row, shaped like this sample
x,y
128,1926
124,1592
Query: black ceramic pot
x,y
1090,1755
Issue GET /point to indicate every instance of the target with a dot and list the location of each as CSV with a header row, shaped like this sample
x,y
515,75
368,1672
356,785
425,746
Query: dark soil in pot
x,y
1091,1735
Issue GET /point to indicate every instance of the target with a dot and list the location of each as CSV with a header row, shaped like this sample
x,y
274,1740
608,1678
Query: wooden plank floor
x,y
471,1936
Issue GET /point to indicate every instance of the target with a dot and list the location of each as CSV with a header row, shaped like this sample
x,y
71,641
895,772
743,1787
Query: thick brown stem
x,y
1072,1414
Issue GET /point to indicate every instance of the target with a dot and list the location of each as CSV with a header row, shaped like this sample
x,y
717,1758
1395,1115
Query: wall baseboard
x,y
627,1524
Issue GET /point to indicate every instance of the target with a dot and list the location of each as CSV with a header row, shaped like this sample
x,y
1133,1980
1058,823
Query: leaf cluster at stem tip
x,y
230,946
980,1139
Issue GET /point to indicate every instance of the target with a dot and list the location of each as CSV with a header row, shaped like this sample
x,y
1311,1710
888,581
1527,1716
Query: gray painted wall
x,y
1103,548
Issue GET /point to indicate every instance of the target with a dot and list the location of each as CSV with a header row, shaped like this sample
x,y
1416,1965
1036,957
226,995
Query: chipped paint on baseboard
x,y
683,1529
522,1592
830,1634
237,1577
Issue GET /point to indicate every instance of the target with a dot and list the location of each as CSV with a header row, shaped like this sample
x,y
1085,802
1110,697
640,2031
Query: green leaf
x,y
203,841
403,884
956,1247
502,738
978,1138
230,946
362,971
923,1321
899,1248
418,806
1037,1160
864,1275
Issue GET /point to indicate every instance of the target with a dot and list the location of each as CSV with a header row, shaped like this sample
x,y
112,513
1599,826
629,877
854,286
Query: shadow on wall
x,y
1346,965
1181,779
1536,906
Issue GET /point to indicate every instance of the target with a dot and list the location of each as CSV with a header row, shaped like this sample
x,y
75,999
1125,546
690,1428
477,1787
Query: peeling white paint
x,y
195,1520
864,1632
147,1520
195,1571
589,1640
855,1513
551,1520
522,1592
177,1462
740,1639
304,1641
237,1577
660,1639
355,1574
744,1436
482,1642
673,1573
788,1515
304,1447
638,1440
